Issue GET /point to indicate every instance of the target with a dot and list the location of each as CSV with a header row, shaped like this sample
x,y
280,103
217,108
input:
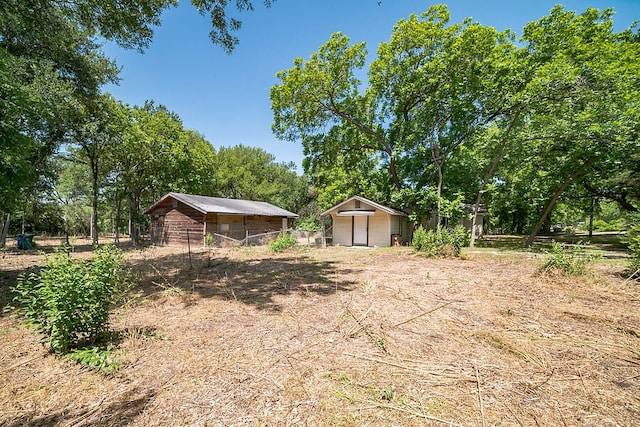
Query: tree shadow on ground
x,y
122,409
257,281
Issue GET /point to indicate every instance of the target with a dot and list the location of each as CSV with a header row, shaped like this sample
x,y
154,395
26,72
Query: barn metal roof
x,y
220,205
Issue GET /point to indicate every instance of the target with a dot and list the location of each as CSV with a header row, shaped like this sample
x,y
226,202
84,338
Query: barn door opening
x,y
360,230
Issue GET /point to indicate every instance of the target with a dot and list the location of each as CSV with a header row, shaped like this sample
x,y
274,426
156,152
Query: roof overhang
x,y
356,213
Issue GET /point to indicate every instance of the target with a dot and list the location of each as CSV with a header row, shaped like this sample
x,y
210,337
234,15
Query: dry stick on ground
x,y
379,341
97,408
358,326
422,314
410,412
24,362
480,395
632,276
513,414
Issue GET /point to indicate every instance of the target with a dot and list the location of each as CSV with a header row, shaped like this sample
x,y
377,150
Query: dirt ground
x,y
342,336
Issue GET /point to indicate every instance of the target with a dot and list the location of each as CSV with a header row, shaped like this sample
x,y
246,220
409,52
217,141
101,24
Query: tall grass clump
x,y
441,242
282,242
572,261
68,301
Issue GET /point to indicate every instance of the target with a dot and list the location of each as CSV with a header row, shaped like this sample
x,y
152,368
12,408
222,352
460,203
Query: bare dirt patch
x,y
343,337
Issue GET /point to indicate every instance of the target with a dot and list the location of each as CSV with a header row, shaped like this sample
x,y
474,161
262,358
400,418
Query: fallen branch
x,y
422,314
355,329
480,396
410,412
24,362
637,272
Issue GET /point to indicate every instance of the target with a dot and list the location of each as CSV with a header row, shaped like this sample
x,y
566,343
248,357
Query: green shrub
x,y
420,239
570,261
632,239
69,300
442,242
282,242
102,360
613,225
309,223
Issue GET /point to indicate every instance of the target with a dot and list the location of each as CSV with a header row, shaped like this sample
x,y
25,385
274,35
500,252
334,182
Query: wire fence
x,y
318,238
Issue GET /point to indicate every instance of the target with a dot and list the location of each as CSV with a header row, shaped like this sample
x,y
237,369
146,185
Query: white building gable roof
x,y
375,205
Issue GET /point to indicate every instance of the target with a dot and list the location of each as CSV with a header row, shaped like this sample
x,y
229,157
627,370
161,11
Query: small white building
x,y
361,222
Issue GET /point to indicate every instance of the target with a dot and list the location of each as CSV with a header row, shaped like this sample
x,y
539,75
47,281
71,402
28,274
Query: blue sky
x,y
226,97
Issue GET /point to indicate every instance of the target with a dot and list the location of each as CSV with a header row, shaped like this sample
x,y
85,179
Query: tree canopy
x,y
457,113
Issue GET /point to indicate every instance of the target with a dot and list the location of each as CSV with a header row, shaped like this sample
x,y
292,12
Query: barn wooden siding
x,y
171,220
241,225
177,225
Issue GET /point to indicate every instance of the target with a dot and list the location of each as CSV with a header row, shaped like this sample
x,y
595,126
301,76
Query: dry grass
x,y
343,337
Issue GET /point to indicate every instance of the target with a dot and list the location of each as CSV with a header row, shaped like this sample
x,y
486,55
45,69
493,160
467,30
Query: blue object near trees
x,y
24,241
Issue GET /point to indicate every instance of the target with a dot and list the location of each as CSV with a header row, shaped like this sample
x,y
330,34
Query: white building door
x,y
360,230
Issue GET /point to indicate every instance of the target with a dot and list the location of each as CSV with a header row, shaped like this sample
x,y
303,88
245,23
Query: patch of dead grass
x,y
345,337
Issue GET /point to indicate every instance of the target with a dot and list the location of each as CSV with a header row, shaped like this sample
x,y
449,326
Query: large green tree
x,y
430,89
100,125
154,155
48,68
587,123
250,173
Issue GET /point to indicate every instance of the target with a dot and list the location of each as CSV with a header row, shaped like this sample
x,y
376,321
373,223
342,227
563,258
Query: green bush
x,y
570,261
632,239
69,300
102,360
613,225
442,242
282,242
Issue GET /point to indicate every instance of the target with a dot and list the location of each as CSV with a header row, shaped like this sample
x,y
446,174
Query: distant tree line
x,y
75,160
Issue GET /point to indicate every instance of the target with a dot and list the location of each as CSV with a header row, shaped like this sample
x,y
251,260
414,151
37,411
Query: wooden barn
x,y
361,222
178,219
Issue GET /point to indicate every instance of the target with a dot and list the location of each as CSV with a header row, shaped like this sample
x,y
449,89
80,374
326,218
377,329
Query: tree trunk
x,y
116,220
437,160
554,199
591,215
394,173
65,221
494,165
133,225
94,211
4,230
